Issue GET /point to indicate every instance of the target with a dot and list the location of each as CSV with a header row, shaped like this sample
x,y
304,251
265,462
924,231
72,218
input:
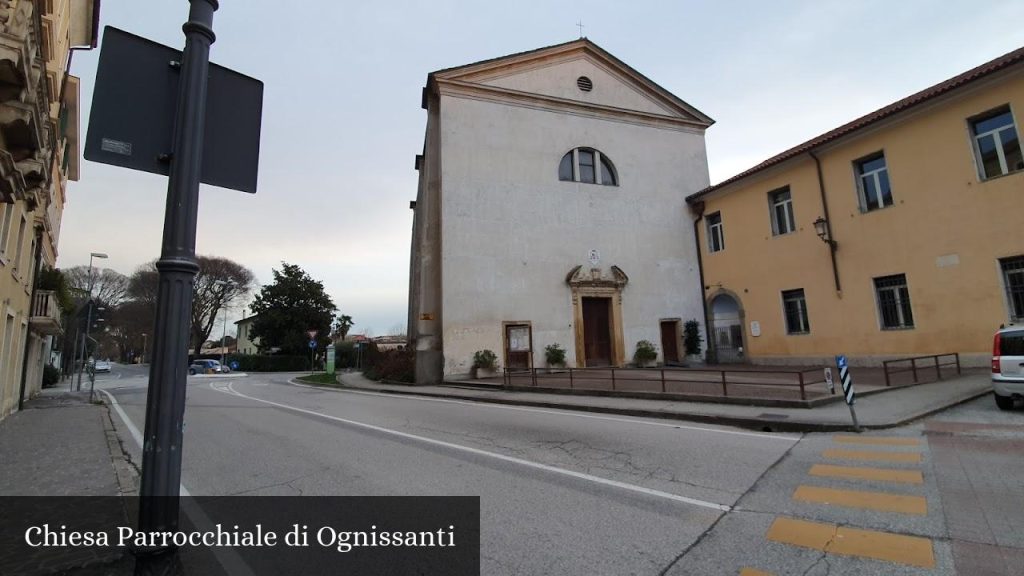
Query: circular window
x,y
584,84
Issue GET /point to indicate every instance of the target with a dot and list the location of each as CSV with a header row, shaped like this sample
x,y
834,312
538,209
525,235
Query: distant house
x,y
244,343
390,342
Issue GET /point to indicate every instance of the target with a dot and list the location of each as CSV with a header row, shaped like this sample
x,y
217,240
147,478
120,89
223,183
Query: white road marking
x,y
229,389
229,558
556,412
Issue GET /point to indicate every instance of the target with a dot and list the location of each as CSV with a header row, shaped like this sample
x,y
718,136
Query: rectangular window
x,y
21,242
996,143
5,227
873,182
795,307
894,302
1013,280
716,234
782,212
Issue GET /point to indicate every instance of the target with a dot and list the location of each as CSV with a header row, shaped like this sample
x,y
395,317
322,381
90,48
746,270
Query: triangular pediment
x,y
555,72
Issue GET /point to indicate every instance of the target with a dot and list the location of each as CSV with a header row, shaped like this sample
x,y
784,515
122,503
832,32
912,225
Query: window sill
x,y
798,333
991,178
882,209
896,328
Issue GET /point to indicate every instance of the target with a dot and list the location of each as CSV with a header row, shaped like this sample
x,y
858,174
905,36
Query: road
x,y
575,493
561,492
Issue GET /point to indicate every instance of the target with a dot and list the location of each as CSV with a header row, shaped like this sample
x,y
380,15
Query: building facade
x,y
244,342
551,210
39,153
898,234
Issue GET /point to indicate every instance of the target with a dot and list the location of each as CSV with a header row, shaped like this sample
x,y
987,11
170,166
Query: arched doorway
x,y
727,328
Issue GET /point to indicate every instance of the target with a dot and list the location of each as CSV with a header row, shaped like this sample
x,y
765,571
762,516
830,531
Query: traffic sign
x,y
312,334
312,344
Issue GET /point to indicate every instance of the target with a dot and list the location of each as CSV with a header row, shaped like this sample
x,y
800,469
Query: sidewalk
x,y
60,445
881,410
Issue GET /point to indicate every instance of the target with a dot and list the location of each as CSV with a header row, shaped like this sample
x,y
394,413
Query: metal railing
x,y
660,379
935,364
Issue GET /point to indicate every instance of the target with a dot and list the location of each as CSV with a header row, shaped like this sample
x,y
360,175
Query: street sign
x,y
828,380
134,103
312,344
311,333
847,382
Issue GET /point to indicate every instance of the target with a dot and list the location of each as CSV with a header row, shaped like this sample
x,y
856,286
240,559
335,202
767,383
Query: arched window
x,y
589,166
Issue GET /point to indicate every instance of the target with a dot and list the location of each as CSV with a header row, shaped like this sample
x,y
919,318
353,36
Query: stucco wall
x,y
511,231
945,232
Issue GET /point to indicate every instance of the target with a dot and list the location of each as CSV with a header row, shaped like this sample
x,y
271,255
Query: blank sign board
x,y
134,102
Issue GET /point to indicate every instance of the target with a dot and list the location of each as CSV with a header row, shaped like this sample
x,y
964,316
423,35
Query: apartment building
x,y
900,233
39,153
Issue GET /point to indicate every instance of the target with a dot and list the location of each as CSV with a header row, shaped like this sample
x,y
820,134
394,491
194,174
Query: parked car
x,y
207,367
101,366
1008,366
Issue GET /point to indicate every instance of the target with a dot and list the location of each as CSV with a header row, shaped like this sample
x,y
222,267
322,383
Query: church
x,y
552,209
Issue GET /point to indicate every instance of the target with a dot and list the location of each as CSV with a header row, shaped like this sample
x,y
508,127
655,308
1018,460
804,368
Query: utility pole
x,y
165,401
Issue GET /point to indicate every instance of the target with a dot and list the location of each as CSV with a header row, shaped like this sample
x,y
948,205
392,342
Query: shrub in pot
x,y
645,354
554,354
692,341
484,363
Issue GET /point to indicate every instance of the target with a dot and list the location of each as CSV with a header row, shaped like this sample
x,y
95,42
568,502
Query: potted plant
x,y
645,354
554,354
484,363
692,341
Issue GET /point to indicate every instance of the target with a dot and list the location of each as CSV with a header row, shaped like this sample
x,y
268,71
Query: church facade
x,y
551,210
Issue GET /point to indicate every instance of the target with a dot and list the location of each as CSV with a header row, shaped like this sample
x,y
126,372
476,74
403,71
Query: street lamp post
x,y
224,330
143,347
88,318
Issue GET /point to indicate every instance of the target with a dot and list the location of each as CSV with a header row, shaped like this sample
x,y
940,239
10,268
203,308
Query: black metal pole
x,y
165,402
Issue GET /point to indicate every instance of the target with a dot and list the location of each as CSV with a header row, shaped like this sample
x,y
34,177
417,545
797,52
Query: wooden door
x,y
518,347
670,340
597,333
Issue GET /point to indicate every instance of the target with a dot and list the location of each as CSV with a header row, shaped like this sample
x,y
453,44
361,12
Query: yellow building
x,y
898,234
39,151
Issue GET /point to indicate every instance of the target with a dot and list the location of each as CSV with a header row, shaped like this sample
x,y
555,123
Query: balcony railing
x,y
45,317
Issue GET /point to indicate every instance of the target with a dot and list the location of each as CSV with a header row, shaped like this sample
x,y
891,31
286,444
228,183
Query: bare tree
x,y
108,286
219,284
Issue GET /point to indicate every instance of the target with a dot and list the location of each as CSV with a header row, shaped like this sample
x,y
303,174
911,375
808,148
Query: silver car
x,y
1008,366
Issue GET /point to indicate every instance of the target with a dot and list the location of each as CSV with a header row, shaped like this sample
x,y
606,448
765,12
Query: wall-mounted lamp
x,y
821,228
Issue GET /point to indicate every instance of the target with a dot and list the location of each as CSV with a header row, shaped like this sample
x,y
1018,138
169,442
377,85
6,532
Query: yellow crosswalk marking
x,y
875,455
754,572
882,501
860,473
834,539
877,440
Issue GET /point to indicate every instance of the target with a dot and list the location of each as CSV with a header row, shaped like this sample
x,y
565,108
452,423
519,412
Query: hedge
x,y
254,363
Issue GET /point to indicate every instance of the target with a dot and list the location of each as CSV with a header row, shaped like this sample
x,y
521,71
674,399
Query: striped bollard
x,y
848,394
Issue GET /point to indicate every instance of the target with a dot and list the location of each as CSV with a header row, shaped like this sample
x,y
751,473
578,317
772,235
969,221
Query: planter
x,y
481,372
557,369
694,360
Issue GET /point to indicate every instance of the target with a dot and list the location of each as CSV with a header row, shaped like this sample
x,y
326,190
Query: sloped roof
x,y
898,107
586,44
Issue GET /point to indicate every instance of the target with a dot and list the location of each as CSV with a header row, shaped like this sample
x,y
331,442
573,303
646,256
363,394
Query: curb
x,y
737,421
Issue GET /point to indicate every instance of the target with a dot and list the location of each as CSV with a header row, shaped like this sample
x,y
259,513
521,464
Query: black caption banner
x,y
261,535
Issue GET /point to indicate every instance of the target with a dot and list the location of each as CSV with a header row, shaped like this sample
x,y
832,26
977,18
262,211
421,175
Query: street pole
x,y
143,347
223,336
88,321
165,400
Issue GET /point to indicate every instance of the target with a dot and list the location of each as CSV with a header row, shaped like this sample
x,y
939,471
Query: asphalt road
x,y
576,493
561,492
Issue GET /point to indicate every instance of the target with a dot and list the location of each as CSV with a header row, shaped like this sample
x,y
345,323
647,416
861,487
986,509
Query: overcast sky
x,y
342,120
